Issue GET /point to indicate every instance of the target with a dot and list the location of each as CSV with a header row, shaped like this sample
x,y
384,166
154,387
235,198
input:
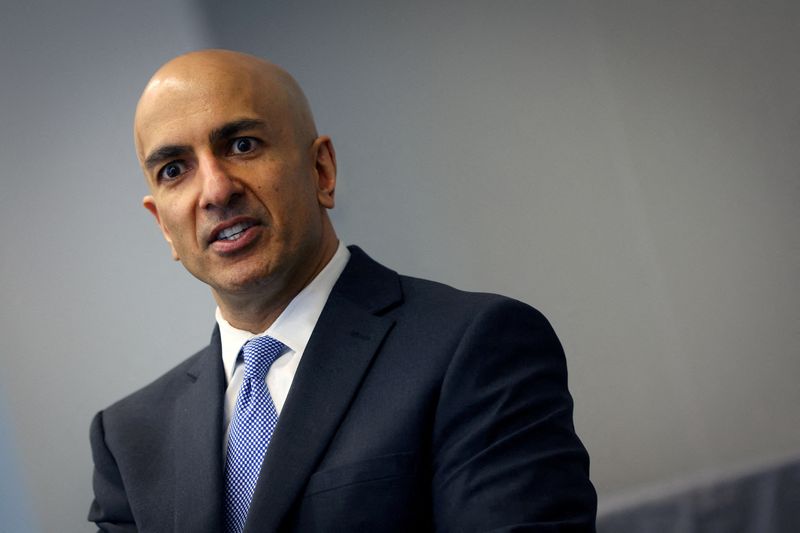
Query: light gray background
x,y
629,168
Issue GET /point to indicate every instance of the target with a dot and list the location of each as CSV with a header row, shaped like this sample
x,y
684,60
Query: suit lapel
x,y
198,449
347,336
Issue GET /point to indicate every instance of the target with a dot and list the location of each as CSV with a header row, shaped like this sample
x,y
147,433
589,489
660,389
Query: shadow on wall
x,y
765,498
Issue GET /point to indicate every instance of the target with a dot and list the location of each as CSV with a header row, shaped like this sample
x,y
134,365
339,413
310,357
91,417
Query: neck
x,y
252,318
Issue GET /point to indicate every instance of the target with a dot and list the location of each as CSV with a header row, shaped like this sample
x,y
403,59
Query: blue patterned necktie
x,y
251,428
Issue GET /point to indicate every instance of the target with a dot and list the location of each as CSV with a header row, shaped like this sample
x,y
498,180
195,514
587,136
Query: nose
x,y
220,188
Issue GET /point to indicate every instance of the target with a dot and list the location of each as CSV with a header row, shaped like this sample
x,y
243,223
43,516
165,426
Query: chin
x,y
240,284
242,281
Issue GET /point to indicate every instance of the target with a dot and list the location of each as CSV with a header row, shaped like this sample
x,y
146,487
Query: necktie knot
x,y
259,353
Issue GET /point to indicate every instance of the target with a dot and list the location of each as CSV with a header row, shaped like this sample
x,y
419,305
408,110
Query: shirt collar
x,y
294,325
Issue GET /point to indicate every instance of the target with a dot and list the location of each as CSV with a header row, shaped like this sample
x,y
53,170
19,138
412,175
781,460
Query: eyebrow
x,y
231,129
226,131
163,153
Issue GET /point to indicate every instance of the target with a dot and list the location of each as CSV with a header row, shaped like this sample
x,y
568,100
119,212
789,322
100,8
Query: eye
x,y
243,145
171,171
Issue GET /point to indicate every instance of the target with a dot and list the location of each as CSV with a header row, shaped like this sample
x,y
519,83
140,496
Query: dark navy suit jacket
x,y
415,407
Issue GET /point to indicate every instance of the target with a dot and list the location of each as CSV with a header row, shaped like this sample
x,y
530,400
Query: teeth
x,y
232,233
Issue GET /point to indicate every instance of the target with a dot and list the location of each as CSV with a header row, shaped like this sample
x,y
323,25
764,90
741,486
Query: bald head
x,y
204,77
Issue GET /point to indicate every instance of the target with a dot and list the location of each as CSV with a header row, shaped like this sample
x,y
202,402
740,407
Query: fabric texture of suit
x,y
415,407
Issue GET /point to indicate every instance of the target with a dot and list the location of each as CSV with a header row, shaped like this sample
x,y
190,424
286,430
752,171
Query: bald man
x,y
388,403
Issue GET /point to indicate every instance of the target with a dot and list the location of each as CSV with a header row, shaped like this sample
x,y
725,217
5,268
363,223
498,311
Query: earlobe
x,y
325,166
150,204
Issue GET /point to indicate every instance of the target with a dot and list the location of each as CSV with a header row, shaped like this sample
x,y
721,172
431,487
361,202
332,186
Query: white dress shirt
x,y
293,328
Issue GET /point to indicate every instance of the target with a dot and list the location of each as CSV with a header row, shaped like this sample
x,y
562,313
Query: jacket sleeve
x,y
505,453
110,509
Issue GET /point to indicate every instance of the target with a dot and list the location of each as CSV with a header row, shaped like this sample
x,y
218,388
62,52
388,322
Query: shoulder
x,y
460,333
453,308
423,291
150,400
381,289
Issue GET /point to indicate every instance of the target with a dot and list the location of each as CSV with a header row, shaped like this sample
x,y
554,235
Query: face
x,y
239,183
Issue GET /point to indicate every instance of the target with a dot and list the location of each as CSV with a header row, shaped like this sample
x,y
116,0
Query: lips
x,y
234,232
234,235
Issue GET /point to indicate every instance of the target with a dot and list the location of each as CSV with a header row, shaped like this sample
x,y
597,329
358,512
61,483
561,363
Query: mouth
x,y
233,233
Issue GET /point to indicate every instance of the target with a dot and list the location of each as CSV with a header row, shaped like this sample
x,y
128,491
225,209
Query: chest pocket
x,y
385,467
385,493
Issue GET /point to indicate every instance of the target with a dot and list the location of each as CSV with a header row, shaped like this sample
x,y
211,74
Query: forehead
x,y
184,109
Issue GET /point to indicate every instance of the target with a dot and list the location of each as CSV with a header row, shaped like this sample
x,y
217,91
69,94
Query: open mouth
x,y
234,232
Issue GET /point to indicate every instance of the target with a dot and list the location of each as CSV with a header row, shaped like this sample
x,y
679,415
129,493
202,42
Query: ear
x,y
150,204
325,167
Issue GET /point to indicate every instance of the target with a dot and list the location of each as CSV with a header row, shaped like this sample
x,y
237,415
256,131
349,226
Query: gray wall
x,y
82,269
628,168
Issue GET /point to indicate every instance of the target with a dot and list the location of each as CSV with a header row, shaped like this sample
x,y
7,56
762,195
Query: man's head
x,y
240,182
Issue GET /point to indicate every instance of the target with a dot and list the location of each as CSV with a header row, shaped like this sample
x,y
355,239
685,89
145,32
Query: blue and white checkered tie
x,y
251,428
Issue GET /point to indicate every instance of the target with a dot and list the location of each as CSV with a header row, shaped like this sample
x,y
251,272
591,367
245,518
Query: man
x,y
391,403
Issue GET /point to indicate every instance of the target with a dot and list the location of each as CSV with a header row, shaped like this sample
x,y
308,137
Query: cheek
x,y
179,224
267,191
